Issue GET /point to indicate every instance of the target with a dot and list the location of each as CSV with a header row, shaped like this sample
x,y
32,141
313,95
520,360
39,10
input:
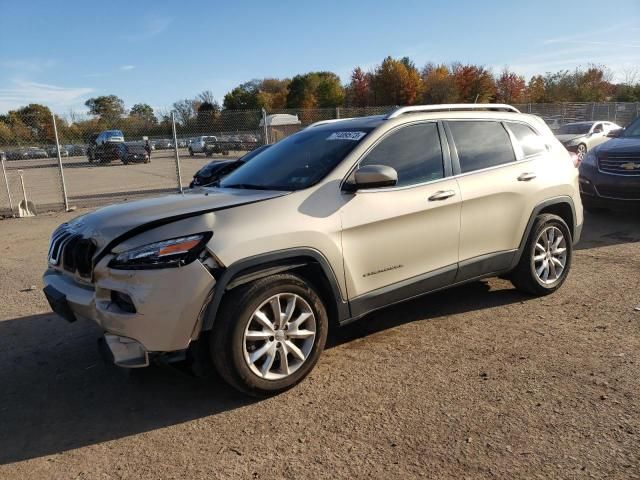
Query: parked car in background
x,y
610,173
163,144
35,152
75,150
196,145
53,152
580,137
182,143
333,222
15,154
103,146
132,153
215,145
214,171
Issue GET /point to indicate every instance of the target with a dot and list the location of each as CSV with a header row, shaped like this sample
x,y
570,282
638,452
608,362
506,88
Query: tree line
x,y
392,82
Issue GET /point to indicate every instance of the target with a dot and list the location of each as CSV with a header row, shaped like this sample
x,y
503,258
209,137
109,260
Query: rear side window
x,y
481,144
413,151
529,140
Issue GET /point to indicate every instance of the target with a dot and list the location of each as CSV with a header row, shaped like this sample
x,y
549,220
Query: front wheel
x,y
546,258
269,334
581,151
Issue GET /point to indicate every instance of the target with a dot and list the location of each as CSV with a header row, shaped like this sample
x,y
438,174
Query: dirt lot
x,y
476,382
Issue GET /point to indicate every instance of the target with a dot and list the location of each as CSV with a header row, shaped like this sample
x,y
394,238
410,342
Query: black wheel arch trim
x,y
259,266
574,227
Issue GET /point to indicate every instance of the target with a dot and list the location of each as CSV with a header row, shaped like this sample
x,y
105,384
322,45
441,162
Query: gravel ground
x,y
475,382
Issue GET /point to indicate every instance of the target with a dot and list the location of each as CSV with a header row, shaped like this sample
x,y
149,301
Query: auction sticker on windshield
x,y
354,136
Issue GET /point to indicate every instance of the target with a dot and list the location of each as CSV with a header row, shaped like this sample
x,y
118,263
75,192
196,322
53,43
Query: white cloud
x,y
127,67
22,93
150,27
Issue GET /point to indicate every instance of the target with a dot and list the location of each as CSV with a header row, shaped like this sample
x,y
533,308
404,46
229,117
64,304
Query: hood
x,y
567,137
122,220
620,146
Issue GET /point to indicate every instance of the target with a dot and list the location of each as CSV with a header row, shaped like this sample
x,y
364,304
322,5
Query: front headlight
x,y
590,158
175,252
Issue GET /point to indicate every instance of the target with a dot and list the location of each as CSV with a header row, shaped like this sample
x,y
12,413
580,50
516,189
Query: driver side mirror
x,y
372,176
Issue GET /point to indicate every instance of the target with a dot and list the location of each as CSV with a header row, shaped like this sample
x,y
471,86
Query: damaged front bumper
x,y
142,312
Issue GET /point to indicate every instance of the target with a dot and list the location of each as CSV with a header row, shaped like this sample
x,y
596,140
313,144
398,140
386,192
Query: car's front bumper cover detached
x,y
142,313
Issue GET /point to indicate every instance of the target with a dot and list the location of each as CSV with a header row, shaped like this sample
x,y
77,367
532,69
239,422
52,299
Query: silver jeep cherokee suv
x,y
327,225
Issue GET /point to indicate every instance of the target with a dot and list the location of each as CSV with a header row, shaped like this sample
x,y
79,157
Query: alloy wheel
x,y
550,255
279,336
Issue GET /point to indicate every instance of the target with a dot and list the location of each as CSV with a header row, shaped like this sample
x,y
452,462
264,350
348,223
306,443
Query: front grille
x,y
620,164
70,251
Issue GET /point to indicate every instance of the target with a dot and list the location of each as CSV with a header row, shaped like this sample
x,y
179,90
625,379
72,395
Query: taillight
x,y
575,159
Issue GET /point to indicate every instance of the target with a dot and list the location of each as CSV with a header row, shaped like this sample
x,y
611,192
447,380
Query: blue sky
x,y
60,53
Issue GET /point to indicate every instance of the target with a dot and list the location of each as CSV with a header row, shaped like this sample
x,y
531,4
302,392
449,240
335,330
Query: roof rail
x,y
325,122
448,107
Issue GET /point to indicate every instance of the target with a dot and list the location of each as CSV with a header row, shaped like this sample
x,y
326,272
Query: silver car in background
x,y
580,137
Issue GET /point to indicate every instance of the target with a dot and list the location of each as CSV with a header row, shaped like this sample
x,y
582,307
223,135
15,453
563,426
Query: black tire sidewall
x,y
540,225
244,378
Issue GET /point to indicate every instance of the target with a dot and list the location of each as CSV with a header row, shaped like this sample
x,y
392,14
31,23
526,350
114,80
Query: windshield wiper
x,y
248,186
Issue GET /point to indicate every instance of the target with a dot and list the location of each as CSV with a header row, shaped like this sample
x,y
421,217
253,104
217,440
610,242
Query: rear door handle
x,y
525,177
442,195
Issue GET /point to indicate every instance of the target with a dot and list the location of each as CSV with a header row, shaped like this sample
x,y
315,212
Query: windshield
x,y
633,130
574,129
298,161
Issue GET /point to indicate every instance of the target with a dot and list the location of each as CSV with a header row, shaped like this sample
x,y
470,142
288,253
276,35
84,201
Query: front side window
x,y
413,151
529,140
598,128
481,144
574,129
298,161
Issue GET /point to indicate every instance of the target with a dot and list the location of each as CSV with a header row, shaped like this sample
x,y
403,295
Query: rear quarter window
x,y
530,141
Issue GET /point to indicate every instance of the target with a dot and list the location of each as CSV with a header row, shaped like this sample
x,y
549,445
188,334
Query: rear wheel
x,y
269,334
546,258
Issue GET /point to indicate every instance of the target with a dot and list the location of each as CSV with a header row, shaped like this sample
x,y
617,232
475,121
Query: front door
x,y
398,241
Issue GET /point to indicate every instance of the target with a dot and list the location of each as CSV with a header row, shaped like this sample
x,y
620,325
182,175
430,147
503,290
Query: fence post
x,y
6,182
265,140
337,112
64,185
175,150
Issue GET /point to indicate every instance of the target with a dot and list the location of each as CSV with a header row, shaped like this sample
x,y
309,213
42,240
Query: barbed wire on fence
x,y
103,160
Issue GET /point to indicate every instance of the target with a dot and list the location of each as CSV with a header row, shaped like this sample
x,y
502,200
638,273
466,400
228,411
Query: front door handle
x,y
442,195
525,177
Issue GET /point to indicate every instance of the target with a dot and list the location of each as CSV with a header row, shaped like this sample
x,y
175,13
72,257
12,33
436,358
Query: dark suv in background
x,y
610,173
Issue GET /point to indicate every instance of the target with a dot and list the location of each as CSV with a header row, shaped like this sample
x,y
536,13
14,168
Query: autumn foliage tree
x,y
395,82
438,84
358,90
475,84
510,87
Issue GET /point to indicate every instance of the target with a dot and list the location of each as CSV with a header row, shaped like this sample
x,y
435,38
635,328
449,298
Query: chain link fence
x,y
87,162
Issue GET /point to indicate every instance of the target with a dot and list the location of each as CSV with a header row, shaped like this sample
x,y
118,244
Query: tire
x,y
525,276
190,152
231,350
581,151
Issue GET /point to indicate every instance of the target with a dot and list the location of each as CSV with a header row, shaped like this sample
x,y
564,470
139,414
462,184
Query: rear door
x,y
400,241
498,182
